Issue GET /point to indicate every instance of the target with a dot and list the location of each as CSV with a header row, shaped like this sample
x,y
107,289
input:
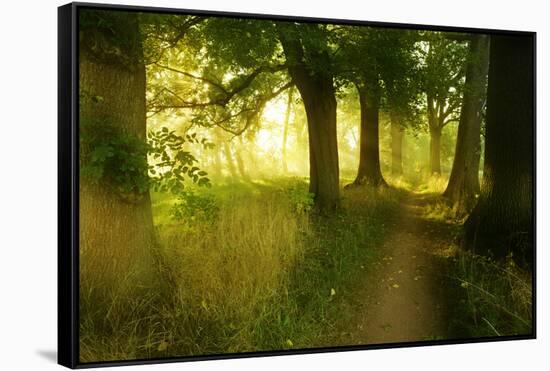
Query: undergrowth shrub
x,y
300,198
193,206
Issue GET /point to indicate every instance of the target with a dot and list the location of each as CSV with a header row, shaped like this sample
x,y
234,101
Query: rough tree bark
x,y
369,172
116,233
501,223
316,88
463,186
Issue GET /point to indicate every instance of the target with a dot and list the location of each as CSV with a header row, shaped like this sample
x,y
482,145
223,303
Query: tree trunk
x,y
501,224
463,184
369,172
217,162
285,130
240,162
320,105
396,146
229,159
435,150
116,233
316,88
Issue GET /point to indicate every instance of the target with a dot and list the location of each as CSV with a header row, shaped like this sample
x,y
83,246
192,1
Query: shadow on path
x,y
405,298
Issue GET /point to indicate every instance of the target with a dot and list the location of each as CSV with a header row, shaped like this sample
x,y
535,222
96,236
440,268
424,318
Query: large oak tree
x,y
501,224
116,224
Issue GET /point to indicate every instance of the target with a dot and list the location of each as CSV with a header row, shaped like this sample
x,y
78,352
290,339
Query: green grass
x,y
261,273
493,298
496,297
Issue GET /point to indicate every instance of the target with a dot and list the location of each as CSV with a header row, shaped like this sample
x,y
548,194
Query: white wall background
x,y
28,183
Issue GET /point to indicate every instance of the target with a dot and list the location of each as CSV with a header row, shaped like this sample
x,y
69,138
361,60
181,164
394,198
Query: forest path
x,y
406,297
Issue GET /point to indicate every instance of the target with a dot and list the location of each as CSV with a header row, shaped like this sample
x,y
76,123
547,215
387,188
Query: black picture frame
x,y
68,184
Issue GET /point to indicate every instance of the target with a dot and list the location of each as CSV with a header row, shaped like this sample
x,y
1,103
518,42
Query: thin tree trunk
x,y
369,172
435,150
217,162
240,163
285,130
116,231
463,184
435,137
396,146
501,224
229,159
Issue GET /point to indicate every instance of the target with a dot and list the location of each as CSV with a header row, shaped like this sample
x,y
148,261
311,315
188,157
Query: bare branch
x,y
229,94
201,78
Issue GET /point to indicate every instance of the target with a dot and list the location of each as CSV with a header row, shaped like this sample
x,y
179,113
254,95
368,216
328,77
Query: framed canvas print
x,y
235,185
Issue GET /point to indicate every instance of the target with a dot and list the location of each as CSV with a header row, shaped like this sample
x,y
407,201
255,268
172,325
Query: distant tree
x,y
360,51
381,65
402,89
286,123
501,223
443,75
463,186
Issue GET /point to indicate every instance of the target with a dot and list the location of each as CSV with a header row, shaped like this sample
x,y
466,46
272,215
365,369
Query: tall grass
x,y
498,297
227,271
494,298
261,272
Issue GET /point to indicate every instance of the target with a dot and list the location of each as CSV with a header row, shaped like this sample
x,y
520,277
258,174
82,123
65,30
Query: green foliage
x,y
113,158
385,64
315,44
300,198
240,43
120,160
171,164
196,207
442,75
111,36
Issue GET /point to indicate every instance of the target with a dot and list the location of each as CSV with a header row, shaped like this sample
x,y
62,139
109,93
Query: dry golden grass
x,y
232,267
219,278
